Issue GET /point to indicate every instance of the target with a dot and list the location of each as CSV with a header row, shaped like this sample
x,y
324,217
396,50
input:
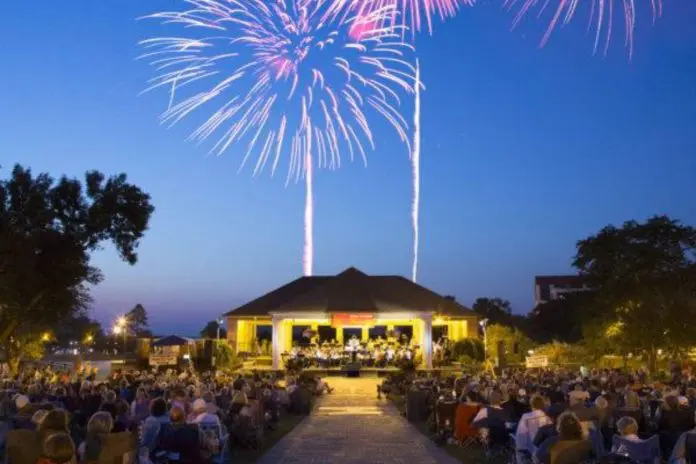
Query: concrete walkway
x,y
352,426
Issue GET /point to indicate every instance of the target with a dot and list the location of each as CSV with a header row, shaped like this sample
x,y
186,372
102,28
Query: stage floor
x,y
364,371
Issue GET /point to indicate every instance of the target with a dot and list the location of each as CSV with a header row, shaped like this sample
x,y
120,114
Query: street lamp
x,y
121,326
484,323
219,323
118,330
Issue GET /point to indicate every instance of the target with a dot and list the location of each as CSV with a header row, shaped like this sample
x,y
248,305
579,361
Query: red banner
x,y
353,319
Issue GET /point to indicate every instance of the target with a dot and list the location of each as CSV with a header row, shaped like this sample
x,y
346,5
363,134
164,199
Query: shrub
x,y
471,348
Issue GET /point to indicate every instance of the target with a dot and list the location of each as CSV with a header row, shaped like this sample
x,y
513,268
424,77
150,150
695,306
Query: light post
x,y
122,327
484,323
117,330
219,323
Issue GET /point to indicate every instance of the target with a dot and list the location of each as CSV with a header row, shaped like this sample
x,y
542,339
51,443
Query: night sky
x,y
525,151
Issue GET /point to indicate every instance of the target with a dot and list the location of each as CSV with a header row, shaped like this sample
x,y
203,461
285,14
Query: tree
x,y
562,353
645,277
499,311
78,328
496,310
48,230
225,357
137,321
562,319
516,343
211,330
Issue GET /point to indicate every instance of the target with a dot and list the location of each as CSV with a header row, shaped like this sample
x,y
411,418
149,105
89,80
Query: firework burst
x,y
602,16
414,15
297,77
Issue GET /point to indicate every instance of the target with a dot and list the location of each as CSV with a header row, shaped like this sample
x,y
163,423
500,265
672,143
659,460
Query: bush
x,y
471,348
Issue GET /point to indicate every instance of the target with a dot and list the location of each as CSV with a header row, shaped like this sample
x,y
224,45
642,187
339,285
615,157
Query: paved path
x,y
352,426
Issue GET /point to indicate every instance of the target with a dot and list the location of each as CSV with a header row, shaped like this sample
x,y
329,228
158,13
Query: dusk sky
x,y
525,151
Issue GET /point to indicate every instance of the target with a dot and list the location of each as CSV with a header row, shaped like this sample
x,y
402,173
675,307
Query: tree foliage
x,y
645,277
225,357
137,322
560,353
78,327
562,319
211,330
48,230
496,310
516,342
470,349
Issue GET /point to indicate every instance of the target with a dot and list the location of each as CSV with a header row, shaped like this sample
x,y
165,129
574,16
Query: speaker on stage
x,y
352,369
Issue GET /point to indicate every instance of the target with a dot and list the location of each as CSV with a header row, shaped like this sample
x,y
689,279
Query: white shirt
x,y
529,425
578,396
206,418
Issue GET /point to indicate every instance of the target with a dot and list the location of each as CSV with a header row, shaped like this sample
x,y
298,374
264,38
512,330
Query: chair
x,y
643,451
23,447
571,452
117,448
446,413
463,431
220,432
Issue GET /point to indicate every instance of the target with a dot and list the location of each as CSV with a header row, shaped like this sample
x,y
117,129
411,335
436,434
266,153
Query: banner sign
x,y
536,361
353,319
163,360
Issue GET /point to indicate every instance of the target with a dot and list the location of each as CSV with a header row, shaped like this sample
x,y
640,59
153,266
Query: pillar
x,y
277,340
426,340
287,334
232,333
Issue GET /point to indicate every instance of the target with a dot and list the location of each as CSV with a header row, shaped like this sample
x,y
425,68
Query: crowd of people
x,y
561,416
53,416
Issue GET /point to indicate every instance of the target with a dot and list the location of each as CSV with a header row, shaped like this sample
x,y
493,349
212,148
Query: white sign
x,y
163,360
102,369
536,361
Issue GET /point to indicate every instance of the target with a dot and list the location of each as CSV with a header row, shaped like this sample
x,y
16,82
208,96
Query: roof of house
x,y
565,280
172,340
351,291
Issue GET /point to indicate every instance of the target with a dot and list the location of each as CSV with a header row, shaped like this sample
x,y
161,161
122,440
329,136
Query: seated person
x,y
182,439
569,444
529,425
57,448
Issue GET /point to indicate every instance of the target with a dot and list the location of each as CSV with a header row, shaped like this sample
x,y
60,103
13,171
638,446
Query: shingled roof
x,y
351,291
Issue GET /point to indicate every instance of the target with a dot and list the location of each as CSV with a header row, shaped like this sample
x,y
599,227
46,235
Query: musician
x,y
353,347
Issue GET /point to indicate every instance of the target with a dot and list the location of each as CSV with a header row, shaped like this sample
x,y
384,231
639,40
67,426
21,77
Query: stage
x,y
363,371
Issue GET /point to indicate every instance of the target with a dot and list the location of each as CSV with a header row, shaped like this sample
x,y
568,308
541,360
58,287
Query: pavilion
x,y
350,302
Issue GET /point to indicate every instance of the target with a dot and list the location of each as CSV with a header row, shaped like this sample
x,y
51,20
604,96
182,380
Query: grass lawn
x,y
472,454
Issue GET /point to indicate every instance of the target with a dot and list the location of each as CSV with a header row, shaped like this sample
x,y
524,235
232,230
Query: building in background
x,y
549,288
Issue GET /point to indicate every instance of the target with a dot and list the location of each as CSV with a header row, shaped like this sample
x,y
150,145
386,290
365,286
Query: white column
x,y
426,340
277,346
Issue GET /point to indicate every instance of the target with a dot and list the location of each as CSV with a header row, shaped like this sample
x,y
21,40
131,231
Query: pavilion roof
x,y
351,291
172,340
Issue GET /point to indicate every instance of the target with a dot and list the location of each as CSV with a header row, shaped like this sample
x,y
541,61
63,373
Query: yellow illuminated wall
x,y
241,333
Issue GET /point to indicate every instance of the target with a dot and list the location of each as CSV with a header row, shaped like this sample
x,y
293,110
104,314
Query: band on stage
x,y
378,353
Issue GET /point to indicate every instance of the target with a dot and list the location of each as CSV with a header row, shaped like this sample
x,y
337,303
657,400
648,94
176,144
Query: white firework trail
x,y
308,252
297,77
415,163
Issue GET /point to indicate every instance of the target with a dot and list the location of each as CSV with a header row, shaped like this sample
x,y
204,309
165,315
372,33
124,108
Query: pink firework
x,y
415,15
602,16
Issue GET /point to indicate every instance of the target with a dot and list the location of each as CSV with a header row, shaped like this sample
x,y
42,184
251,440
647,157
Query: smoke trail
x,y
308,255
415,162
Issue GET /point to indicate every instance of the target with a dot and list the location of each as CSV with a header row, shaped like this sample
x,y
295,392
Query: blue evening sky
x,y
525,151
